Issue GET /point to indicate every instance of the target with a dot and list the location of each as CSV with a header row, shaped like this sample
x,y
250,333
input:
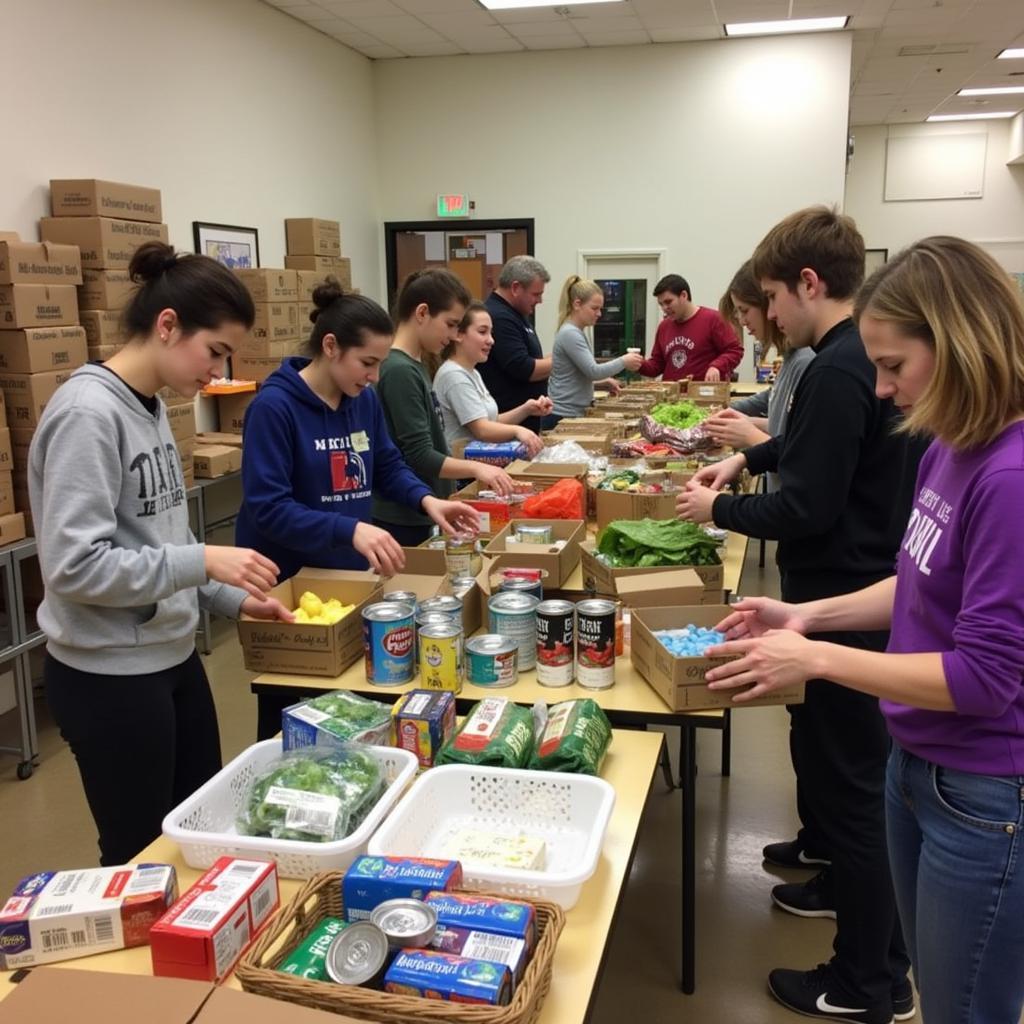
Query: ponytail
x,y
575,287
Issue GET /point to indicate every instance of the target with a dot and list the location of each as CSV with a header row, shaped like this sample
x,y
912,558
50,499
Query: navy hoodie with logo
x,y
309,472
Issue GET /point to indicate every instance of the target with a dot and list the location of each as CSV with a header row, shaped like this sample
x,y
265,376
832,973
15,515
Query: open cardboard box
x,y
213,460
593,442
604,579
494,515
311,649
708,391
678,681
546,474
612,505
664,589
559,563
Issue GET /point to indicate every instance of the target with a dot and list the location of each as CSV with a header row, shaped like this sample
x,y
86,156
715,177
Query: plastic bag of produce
x,y
564,500
574,738
318,795
684,440
333,719
681,415
496,732
650,542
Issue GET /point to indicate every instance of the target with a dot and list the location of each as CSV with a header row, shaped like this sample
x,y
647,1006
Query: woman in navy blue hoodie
x,y
316,446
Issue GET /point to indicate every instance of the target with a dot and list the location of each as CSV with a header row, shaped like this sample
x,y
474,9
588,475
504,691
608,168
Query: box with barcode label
x,y
477,945
60,915
203,935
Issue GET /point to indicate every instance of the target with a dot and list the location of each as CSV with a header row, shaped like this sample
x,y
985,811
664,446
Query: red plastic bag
x,y
562,501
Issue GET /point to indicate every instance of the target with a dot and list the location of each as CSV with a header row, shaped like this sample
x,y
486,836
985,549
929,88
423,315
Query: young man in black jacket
x,y
846,484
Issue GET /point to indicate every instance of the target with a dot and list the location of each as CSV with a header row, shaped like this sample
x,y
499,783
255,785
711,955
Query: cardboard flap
x,y
226,1006
422,586
670,580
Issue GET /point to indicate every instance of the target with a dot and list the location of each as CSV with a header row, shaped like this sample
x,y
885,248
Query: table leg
x,y
726,742
688,773
665,763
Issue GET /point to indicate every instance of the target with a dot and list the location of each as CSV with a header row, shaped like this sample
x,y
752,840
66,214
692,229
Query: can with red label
x,y
556,643
595,644
388,638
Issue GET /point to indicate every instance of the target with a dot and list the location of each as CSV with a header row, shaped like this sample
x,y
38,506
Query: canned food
x,y
451,606
441,650
595,644
462,556
424,619
515,616
436,544
406,923
519,585
492,660
358,956
308,959
533,533
388,638
402,597
462,585
556,643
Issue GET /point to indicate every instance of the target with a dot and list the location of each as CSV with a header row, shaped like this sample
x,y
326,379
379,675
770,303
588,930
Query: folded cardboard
x,y
680,682
21,440
219,437
6,493
595,443
306,282
327,266
713,392
275,321
231,408
558,561
662,590
104,289
182,420
103,327
611,505
37,349
37,305
171,397
544,474
226,1006
425,561
603,578
187,449
39,263
6,451
26,395
106,243
270,285
311,236
213,460
12,527
257,368
90,197
311,649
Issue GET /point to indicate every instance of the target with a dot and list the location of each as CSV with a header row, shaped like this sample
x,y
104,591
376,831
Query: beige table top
x,y
629,767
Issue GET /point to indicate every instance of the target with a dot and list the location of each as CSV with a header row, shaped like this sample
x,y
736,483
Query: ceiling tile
x,y
630,23
445,23
527,14
429,48
573,42
542,28
362,8
752,10
391,23
689,34
616,38
380,52
421,8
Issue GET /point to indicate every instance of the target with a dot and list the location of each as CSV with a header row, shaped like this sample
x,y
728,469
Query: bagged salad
x,y
650,542
334,719
496,732
317,795
572,736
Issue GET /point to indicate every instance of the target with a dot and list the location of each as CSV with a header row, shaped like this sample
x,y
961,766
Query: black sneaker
x,y
812,898
815,994
792,855
903,1007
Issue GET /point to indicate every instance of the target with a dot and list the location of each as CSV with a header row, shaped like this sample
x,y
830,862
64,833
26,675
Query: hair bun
x,y
150,261
325,295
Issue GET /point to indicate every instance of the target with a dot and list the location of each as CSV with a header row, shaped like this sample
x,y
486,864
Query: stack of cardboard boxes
x,y
108,221
181,418
314,245
41,343
275,332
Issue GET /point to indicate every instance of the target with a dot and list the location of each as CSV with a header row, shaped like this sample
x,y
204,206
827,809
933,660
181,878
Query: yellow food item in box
x,y
491,849
313,611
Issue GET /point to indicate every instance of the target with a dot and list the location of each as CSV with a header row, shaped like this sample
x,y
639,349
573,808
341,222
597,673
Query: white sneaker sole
x,y
802,913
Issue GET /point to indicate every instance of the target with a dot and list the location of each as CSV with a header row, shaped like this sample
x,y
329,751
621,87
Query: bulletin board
x,y
920,167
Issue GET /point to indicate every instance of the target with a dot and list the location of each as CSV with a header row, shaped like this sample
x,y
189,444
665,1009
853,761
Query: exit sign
x,y
453,206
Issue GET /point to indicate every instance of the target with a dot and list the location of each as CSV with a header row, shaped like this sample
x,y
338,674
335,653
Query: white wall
x,y
697,147
996,220
238,113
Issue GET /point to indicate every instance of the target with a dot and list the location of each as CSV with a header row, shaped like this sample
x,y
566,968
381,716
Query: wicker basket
x,y
320,897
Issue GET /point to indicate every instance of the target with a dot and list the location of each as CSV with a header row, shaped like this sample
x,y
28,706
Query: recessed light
x,y
1001,90
990,116
1012,54
766,28
515,5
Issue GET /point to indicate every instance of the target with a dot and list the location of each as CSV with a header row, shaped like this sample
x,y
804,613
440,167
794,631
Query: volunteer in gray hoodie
x,y
124,576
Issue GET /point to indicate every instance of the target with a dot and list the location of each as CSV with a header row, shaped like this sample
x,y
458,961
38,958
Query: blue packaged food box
x,y
335,720
456,979
372,880
497,453
424,720
486,914
477,945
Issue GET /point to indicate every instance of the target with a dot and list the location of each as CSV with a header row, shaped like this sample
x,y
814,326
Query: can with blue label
x,y
388,640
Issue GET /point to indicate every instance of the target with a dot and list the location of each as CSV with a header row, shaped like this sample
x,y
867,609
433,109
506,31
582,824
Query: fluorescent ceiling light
x,y
1012,54
764,28
972,117
1000,90
515,5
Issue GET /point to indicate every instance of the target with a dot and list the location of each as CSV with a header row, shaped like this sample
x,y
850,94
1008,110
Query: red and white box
x,y
203,935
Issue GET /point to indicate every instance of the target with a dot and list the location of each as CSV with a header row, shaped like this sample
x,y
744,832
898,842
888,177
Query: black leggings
x,y
143,743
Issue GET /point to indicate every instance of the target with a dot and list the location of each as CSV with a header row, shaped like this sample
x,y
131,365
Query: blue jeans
x,y
955,843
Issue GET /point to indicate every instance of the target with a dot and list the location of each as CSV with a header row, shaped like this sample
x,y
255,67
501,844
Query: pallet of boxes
x,y
41,344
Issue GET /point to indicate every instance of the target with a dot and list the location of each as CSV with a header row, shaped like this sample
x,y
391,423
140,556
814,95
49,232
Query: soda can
x,y
309,958
492,661
358,956
515,616
595,644
388,638
441,653
556,643
406,922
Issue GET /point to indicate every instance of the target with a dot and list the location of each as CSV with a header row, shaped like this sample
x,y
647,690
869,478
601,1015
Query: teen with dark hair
x,y
124,576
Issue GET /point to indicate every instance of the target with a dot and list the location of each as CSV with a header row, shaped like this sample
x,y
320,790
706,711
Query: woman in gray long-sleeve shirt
x,y
574,369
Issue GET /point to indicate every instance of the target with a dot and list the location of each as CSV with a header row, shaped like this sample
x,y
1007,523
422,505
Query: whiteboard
x,y
935,167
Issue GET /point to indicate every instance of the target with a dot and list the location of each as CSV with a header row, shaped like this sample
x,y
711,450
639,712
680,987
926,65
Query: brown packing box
x,y
105,243
226,1006
182,420
213,460
593,425
596,444
545,474
37,349
6,450
603,578
679,587
37,305
101,353
186,450
217,437
231,408
306,281
423,586
171,397
90,197
257,368
716,392
333,266
12,527
311,649
6,494
104,289
492,518
26,395
21,439
39,263
306,309
312,236
270,285
275,321
424,561
559,563
257,348
102,327
680,681
612,505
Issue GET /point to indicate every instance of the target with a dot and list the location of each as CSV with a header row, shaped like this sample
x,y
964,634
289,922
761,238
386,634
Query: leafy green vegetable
x,y
650,542
681,415
353,717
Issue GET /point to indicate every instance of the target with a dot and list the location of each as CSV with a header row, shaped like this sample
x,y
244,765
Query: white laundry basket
x,y
204,824
569,812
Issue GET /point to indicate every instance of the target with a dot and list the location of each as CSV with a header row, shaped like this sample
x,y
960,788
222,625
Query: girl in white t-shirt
x,y
467,407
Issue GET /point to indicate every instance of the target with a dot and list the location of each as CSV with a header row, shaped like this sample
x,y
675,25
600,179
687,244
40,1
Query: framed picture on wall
x,y
873,259
235,247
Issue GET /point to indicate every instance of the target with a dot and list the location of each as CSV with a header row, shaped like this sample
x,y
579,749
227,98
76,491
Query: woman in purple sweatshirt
x,y
945,329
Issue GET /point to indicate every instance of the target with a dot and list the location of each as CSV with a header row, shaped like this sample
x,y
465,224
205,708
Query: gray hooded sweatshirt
x,y
121,567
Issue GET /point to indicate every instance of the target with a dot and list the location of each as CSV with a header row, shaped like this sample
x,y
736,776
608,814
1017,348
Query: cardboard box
x,y
39,263
218,437
6,451
311,649
270,285
186,451
558,563
212,460
661,590
26,395
101,353
171,397
90,197
711,392
105,243
37,305
103,327
603,578
612,505
326,266
311,236
275,321
181,419
257,368
226,1006
306,311
104,289
6,493
12,528
306,281
494,515
544,474
21,439
231,409
680,682
424,561
279,350
595,443
37,349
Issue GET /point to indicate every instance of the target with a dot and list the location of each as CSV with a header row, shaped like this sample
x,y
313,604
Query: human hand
x,y
718,474
632,361
755,616
539,406
379,548
712,375
778,659
240,567
267,608
695,503
528,438
493,478
613,386
452,516
729,427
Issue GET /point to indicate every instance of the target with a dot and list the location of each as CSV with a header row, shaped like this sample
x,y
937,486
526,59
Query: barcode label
x,y
61,938
103,928
198,916
64,883
147,880
307,812
240,868
55,908
304,819
260,902
308,714
500,949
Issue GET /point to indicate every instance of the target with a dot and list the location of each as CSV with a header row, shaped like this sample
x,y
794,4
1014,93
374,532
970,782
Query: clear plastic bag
x,y
346,717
